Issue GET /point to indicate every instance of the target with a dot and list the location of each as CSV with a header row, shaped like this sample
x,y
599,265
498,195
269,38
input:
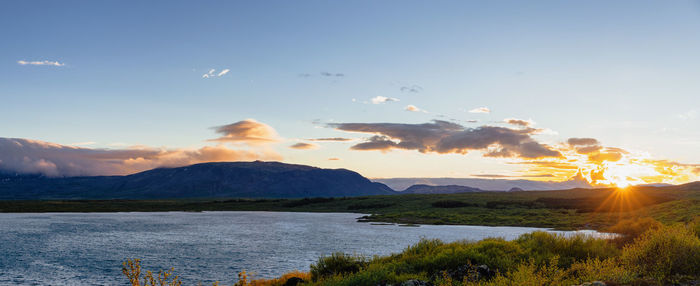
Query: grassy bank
x,y
567,209
646,253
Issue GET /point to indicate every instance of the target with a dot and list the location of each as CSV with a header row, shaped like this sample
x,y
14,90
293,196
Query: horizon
x,y
400,90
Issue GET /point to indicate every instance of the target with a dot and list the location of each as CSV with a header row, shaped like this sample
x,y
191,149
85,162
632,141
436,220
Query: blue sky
x,y
623,72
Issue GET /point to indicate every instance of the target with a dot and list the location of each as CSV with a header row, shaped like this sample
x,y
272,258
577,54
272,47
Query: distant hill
x,y
450,189
207,180
484,184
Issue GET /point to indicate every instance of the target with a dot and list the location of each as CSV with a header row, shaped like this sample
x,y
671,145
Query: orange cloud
x,y
50,159
303,146
519,122
246,131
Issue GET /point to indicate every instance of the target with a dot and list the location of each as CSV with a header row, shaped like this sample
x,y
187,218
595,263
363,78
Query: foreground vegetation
x,y
566,209
645,253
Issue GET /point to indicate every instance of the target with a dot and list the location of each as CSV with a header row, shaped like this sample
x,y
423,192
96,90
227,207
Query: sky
x,y
406,88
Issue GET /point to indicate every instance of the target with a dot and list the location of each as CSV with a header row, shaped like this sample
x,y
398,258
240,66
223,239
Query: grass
x,y
566,209
658,255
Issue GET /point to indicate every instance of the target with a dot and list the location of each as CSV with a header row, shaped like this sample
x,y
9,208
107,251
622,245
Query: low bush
x,y
307,201
369,206
337,264
452,204
664,252
608,270
543,246
629,229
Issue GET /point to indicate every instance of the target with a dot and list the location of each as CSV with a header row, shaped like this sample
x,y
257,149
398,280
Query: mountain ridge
x,y
256,179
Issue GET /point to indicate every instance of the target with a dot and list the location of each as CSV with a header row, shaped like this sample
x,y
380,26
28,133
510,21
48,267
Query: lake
x,y
88,248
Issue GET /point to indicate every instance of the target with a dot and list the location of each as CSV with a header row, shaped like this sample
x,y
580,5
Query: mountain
x,y
208,180
449,189
484,184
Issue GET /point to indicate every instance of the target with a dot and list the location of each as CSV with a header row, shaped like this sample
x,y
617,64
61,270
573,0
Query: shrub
x,y
608,270
337,264
630,229
280,281
132,270
307,201
664,252
369,206
543,246
527,274
374,274
452,204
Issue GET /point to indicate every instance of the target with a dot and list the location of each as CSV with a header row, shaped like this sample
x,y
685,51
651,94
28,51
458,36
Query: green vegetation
x,y
566,209
658,255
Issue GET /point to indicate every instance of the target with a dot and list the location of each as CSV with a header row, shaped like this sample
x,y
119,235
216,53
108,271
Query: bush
x,y
307,201
608,270
452,204
529,274
369,206
664,252
337,264
630,229
543,246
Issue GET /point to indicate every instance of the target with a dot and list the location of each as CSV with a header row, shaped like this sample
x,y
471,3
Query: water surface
x,y
88,248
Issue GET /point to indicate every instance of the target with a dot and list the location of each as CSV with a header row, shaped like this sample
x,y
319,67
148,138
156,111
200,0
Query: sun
x,y
624,174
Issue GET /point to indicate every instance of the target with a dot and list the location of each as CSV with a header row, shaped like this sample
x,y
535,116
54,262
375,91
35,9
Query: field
x,y
566,209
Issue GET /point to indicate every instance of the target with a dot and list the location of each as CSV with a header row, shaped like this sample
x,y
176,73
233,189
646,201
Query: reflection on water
x,y
88,248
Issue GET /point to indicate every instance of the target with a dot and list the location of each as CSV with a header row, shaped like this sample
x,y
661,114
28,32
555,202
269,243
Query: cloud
x,y
212,73
38,157
382,99
223,72
330,74
332,139
41,63
519,122
692,114
446,137
508,176
414,108
600,157
582,141
303,146
587,146
83,143
480,110
333,159
246,131
411,88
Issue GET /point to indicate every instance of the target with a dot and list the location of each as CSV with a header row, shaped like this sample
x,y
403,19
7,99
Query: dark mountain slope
x,y
207,180
449,189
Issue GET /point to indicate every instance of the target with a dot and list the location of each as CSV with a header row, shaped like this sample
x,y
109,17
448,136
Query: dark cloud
x,y
582,141
588,149
303,146
246,131
37,157
447,137
331,139
585,145
330,74
377,142
411,88
518,122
